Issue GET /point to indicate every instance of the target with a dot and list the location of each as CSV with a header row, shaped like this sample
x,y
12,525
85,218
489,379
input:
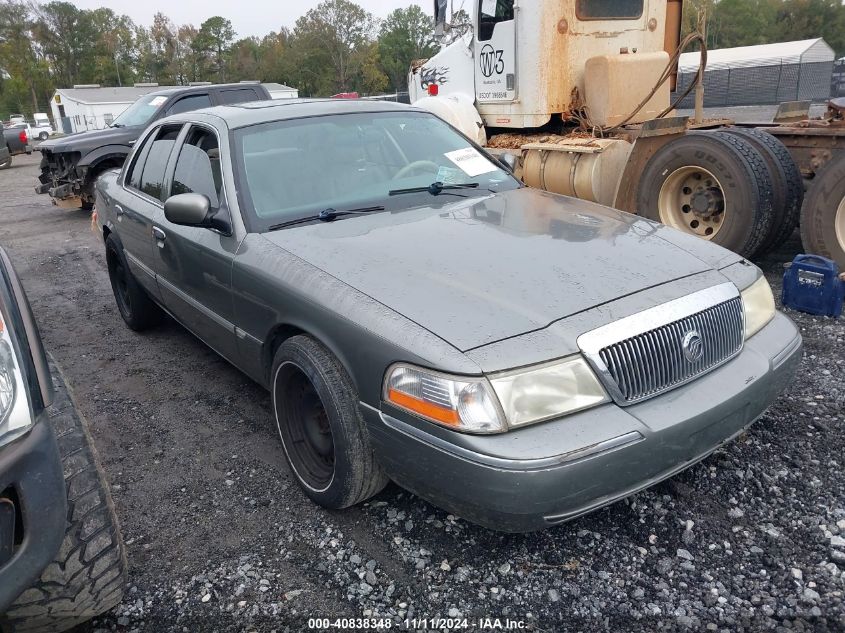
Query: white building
x,y
761,74
280,91
92,107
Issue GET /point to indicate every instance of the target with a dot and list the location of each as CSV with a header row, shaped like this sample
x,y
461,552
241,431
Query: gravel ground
x,y
221,539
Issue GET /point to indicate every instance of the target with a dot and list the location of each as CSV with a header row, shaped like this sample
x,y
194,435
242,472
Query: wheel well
x,y
107,163
278,335
106,232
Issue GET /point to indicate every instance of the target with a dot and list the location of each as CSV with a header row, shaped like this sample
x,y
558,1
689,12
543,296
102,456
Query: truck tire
x,y
710,184
324,437
89,573
136,308
787,183
43,136
823,214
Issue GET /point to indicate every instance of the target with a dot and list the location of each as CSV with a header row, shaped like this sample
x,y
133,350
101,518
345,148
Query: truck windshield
x,y
295,169
609,9
140,112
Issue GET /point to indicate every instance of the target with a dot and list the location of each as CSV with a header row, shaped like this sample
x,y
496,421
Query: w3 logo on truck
x,y
491,61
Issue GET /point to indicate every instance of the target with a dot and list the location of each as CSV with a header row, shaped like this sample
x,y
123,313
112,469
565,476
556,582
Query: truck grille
x,y
667,356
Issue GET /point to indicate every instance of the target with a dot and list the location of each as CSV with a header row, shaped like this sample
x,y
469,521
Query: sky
x,y
250,17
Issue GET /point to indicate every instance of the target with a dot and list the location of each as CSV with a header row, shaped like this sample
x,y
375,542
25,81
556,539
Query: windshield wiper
x,y
326,215
435,188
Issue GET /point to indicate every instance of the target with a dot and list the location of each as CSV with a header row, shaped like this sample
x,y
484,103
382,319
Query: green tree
x,y
66,36
213,42
333,32
406,35
26,73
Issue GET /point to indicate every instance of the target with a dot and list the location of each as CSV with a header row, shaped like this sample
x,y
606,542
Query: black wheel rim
x,y
120,284
304,427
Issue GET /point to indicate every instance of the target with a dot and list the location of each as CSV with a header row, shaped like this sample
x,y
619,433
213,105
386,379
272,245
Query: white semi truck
x,y
580,94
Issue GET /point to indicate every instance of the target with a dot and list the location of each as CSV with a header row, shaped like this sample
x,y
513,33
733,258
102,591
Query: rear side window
x,y
147,173
490,13
198,166
237,95
609,9
189,104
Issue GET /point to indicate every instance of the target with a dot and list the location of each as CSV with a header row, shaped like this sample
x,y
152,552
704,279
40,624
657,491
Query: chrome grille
x,y
653,362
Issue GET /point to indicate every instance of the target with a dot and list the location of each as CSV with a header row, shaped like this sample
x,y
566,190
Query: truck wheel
x,y
787,184
710,184
89,573
43,136
323,434
823,215
135,306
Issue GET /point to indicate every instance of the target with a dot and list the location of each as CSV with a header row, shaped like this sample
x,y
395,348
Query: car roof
x,y
202,88
254,112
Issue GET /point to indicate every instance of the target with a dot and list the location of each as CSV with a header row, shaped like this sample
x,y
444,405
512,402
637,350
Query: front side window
x,y
609,9
295,169
147,173
189,104
490,13
198,166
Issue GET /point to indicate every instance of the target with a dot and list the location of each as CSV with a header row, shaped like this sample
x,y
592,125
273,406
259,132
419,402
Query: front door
x,y
193,264
141,201
495,52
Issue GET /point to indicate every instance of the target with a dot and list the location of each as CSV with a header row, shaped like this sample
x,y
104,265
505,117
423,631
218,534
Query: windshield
x,y
140,112
295,169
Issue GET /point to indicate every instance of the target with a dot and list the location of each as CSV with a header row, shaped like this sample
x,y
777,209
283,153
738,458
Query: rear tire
x,y
136,308
787,184
88,574
324,437
823,215
710,184
43,136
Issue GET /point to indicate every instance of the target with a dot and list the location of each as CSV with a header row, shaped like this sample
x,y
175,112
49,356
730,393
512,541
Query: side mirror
x,y
509,161
441,7
189,209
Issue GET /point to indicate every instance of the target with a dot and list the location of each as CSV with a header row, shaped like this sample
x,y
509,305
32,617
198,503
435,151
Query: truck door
x,y
495,51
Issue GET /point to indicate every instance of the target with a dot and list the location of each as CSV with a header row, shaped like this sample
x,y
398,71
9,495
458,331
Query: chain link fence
x,y
761,85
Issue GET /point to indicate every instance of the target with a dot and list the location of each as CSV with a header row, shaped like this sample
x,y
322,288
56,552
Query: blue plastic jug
x,y
811,284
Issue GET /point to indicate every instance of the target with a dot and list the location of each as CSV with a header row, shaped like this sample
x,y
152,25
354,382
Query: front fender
x,y
107,152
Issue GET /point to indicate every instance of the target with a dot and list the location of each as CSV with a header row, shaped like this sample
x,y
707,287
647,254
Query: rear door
x,y
495,52
193,264
142,200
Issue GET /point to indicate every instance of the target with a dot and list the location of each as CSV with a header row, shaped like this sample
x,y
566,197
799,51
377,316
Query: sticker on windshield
x,y
471,162
157,101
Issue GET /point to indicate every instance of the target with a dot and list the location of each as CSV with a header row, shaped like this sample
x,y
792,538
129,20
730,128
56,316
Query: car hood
x,y
489,268
85,141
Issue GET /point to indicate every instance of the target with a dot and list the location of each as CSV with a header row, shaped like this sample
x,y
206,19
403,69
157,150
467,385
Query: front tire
x,y
88,574
323,434
136,308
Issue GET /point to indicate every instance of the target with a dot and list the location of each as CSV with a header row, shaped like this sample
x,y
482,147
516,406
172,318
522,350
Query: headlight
x,y
15,412
506,400
758,305
463,404
548,391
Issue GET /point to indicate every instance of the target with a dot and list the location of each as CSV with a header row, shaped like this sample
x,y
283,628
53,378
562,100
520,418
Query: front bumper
x,y
552,472
31,478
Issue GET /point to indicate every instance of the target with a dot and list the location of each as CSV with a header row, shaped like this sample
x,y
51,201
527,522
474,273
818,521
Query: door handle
x,y
118,211
159,234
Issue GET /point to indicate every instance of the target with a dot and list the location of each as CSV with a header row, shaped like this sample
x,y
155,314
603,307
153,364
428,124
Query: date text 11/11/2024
x,y
417,624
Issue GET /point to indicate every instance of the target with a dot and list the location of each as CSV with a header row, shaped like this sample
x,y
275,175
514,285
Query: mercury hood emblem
x,y
693,346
